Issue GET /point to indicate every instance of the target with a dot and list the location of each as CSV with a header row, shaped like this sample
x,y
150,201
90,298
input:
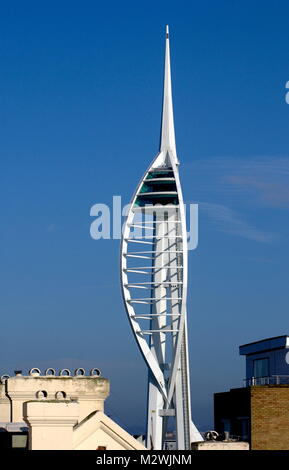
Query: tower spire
x,y
158,316
167,141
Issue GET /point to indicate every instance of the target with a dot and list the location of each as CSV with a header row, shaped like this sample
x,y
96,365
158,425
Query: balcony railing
x,y
270,380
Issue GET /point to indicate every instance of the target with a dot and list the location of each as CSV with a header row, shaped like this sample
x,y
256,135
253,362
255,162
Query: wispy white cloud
x,y
237,189
263,181
268,193
231,222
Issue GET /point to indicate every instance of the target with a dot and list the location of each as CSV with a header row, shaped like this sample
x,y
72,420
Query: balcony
x,y
269,380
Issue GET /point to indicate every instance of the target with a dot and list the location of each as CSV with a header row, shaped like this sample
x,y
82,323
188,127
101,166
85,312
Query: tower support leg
x,y
154,420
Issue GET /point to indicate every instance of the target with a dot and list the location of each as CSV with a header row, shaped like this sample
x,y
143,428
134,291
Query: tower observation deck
x,y
154,271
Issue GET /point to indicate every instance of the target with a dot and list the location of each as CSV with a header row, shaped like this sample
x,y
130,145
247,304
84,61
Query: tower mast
x,y
168,140
156,222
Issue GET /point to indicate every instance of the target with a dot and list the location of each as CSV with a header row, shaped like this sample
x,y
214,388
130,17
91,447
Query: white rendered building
x,y
59,412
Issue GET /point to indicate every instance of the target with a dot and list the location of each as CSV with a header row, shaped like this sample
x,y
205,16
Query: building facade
x,y
59,412
259,412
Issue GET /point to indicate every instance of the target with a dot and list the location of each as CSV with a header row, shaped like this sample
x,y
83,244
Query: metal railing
x,y
269,380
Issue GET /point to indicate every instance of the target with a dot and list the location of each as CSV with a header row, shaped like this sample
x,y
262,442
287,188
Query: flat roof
x,y
268,344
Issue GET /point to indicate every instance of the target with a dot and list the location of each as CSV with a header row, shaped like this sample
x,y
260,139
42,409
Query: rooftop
x,y
268,344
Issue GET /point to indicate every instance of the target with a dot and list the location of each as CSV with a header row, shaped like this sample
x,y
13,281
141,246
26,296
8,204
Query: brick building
x,y
259,412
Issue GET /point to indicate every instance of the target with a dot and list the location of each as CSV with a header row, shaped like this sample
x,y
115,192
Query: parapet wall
x,y
90,391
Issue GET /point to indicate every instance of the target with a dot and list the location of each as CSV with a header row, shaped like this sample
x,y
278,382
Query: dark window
x,y
261,367
243,428
226,425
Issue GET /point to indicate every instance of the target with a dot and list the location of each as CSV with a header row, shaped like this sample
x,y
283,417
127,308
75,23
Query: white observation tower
x,y
154,270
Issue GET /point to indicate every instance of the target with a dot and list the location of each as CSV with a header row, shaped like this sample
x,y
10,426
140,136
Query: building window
x,y
261,367
243,428
19,441
226,425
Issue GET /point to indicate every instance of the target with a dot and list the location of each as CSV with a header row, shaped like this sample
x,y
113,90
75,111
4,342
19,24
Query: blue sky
x,y
80,91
